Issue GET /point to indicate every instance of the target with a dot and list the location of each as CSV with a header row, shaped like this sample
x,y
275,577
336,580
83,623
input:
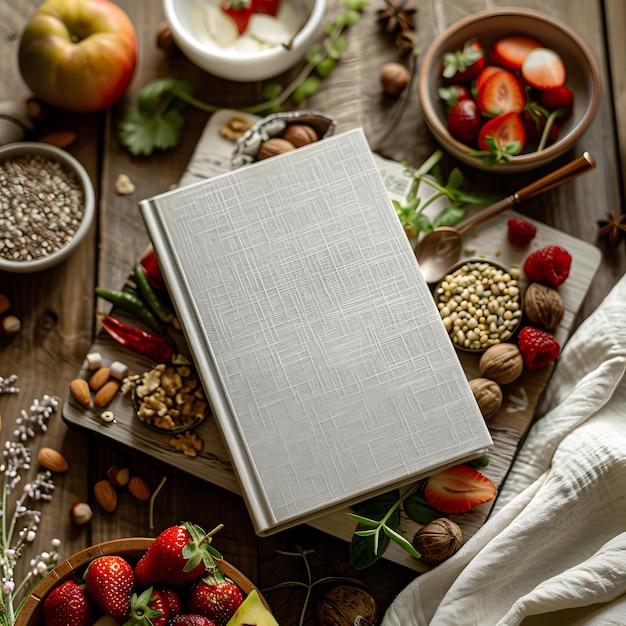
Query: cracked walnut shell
x,y
501,362
543,306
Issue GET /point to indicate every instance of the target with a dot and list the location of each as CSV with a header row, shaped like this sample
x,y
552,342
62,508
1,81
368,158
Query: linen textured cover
x,y
554,550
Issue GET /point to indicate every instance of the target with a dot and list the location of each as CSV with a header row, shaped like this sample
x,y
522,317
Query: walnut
x,y
300,134
438,540
501,362
274,146
394,77
236,127
342,605
488,396
543,306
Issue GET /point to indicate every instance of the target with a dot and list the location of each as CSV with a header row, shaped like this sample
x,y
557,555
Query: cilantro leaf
x,y
142,134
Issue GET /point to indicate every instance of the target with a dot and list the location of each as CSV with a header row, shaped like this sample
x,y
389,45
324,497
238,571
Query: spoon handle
x,y
567,172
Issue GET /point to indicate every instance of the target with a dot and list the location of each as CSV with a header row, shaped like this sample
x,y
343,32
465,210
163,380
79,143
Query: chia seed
x,y
41,207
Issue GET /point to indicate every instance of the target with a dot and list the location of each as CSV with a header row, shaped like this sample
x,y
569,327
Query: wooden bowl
x,y
132,549
583,79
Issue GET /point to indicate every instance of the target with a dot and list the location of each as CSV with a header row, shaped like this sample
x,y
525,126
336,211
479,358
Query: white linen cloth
x,y
554,549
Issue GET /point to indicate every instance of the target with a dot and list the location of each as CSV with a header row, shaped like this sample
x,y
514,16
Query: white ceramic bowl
x,y
487,27
242,66
23,149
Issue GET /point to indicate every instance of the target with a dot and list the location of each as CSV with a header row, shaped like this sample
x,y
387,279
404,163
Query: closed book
x,y
318,342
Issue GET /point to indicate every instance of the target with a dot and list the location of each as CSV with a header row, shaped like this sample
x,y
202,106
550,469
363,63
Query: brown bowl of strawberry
x,y
508,90
175,578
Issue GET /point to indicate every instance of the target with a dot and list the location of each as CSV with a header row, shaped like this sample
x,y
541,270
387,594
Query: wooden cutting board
x,y
507,428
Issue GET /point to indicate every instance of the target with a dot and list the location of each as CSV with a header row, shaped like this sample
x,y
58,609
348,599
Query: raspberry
x,y
538,347
548,266
521,232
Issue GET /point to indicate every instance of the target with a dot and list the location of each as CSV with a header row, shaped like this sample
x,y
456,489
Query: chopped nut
x,y
188,443
124,185
236,127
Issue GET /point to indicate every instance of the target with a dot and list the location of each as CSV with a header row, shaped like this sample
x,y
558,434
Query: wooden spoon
x,y
440,249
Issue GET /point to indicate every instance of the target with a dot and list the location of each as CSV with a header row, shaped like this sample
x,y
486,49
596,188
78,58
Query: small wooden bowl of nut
x,y
480,303
169,398
279,133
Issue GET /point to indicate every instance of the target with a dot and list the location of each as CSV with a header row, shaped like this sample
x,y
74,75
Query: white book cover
x,y
318,342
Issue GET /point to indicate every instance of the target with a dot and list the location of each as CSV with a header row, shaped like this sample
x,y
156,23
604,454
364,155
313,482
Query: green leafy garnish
x,y
411,212
157,122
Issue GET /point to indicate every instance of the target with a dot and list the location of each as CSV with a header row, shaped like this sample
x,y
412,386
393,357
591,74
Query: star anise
x,y
613,229
396,17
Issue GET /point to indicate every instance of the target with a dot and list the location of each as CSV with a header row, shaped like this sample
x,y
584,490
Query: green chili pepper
x,y
159,306
132,304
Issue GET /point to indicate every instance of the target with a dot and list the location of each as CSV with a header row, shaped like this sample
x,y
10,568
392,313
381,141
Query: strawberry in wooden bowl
x,y
508,90
176,578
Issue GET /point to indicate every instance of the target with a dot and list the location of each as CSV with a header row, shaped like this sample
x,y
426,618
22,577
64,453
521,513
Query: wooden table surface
x,y
57,307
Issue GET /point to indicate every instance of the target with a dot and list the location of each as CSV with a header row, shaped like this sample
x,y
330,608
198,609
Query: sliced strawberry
x,y
458,489
501,93
462,66
240,11
464,121
270,7
485,73
544,69
507,132
512,50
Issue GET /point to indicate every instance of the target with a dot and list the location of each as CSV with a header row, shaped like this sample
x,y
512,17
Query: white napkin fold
x,y
554,549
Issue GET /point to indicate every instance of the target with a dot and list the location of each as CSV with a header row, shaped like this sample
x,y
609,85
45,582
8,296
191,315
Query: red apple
x,y
78,55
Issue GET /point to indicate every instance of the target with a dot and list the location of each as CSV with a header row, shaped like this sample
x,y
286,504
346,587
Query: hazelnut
x,y
300,134
274,146
438,540
488,396
543,306
502,362
164,39
394,77
342,605
80,513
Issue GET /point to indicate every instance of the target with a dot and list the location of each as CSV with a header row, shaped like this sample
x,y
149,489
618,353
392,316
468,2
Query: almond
x,y
52,460
106,393
99,377
139,488
79,389
105,495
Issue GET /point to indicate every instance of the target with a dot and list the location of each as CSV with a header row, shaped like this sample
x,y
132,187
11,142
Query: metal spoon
x,y
441,249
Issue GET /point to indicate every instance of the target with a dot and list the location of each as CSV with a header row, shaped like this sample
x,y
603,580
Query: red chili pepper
x,y
136,339
150,265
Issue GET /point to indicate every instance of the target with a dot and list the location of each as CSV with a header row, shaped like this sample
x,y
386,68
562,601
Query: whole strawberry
x,y
520,231
172,601
538,347
549,266
69,605
178,556
215,597
190,619
110,581
148,609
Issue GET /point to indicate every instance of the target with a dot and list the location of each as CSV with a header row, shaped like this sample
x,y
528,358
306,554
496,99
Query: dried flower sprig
x,y
18,528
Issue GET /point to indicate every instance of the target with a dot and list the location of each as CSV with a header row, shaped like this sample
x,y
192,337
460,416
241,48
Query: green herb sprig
x,y
412,212
157,122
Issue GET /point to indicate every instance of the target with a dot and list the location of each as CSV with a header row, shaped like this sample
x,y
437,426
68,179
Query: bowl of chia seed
x,y
47,206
